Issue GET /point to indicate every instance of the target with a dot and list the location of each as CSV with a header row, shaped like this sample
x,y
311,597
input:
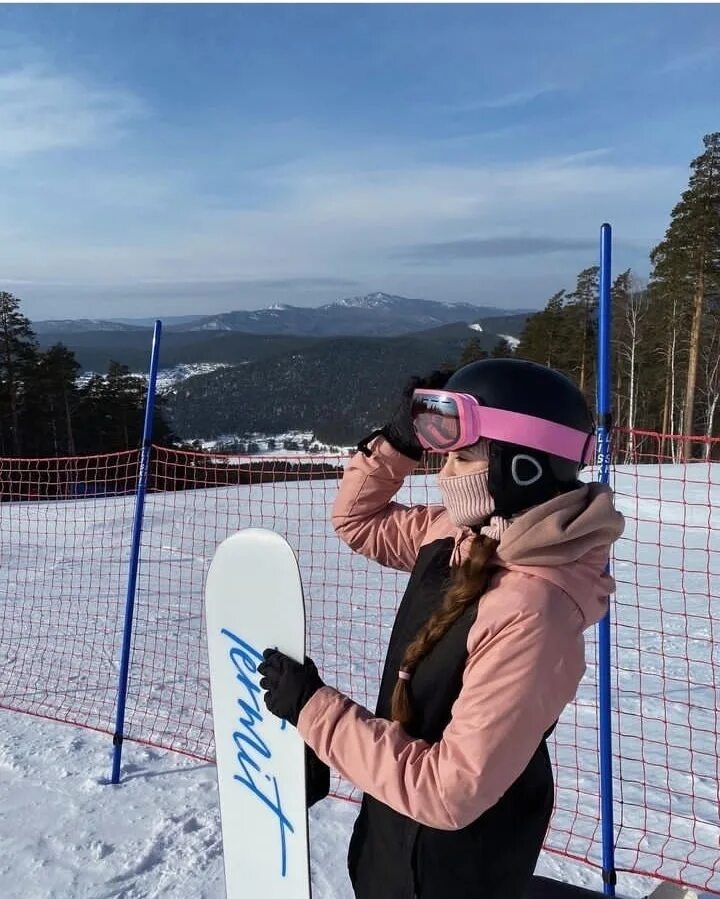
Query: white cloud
x,y
42,110
511,99
698,58
338,221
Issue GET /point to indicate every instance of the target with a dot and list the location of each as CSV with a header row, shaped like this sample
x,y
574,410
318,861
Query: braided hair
x,y
468,583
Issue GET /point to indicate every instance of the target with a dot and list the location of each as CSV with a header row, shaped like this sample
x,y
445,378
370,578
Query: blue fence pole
x,y
604,409
135,554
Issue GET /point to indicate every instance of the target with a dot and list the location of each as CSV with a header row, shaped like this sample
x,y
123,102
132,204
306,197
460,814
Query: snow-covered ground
x,y
167,378
65,833
305,443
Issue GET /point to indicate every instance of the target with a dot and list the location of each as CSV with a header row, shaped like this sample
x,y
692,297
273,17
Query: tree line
x,y
665,332
46,411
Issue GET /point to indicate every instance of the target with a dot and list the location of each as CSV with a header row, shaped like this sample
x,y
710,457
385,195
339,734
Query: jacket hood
x,y
567,541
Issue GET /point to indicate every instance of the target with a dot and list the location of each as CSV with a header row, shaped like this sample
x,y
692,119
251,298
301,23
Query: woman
x,y
487,646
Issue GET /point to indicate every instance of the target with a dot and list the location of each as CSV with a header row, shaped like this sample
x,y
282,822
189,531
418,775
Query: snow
x,y
369,301
215,324
66,833
167,378
513,341
310,447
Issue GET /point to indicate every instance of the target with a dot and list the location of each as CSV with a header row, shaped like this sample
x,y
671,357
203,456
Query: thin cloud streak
x,y
491,248
520,97
342,224
694,59
41,111
175,288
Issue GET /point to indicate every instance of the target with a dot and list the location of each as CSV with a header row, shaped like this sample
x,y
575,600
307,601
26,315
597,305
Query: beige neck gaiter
x,y
468,502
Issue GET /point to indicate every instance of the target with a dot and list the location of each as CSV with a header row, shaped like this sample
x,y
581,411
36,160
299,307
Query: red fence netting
x,y
66,526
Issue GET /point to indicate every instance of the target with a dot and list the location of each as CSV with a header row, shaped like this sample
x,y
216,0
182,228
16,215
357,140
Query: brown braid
x,y
468,583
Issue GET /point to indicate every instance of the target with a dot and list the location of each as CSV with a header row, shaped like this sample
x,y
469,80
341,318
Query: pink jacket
x,y
526,652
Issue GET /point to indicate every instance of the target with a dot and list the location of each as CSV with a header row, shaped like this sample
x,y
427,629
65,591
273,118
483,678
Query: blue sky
x,y
161,160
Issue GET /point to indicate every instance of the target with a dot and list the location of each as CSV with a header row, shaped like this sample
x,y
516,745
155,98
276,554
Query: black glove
x,y
399,431
317,778
289,684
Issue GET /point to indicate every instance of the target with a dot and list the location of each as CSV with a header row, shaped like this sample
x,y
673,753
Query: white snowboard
x,y
254,600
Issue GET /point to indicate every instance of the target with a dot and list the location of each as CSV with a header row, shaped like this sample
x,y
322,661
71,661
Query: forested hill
x,y
338,388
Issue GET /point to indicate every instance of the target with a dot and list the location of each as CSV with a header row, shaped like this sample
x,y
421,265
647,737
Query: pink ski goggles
x,y
449,421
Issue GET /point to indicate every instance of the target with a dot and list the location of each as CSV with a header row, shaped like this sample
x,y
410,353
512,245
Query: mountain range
x,y
376,314
335,370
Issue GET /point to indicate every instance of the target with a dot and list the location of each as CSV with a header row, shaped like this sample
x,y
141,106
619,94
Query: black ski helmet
x,y
520,476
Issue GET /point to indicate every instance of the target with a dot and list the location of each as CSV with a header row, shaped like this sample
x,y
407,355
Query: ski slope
x,y
66,833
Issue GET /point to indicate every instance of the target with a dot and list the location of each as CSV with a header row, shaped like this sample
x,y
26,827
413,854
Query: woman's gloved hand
x,y
399,431
288,684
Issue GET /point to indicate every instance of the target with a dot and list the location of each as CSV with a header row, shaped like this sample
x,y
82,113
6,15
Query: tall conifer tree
x,y
686,266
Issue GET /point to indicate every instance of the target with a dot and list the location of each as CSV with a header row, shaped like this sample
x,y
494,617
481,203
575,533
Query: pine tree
x,y
91,431
163,433
562,336
125,395
52,402
472,352
542,335
709,387
502,350
581,310
17,356
686,265
629,311
112,412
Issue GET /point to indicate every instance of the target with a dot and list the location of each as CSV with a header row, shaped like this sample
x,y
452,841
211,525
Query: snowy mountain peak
x,y
369,301
215,324
373,314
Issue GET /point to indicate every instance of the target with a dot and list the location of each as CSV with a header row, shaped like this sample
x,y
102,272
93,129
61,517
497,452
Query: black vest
x,y
392,856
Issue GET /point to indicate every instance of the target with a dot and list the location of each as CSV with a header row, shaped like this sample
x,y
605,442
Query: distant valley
x,y
336,374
